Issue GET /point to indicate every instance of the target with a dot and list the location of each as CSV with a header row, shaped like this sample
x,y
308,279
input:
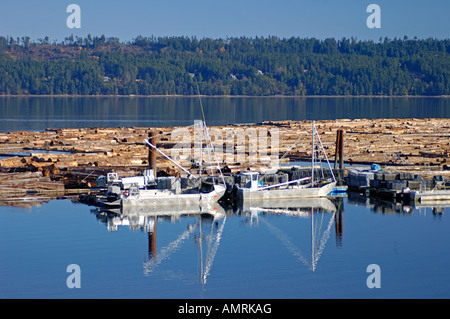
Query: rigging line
x,y
167,157
211,147
168,133
206,132
323,151
314,233
287,243
208,149
324,240
215,157
212,250
84,179
317,228
293,145
200,99
167,251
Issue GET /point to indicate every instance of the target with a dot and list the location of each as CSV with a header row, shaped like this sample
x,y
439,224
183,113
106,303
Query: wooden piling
x,y
337,149
152,154
152,242
338,154
338,221
341,150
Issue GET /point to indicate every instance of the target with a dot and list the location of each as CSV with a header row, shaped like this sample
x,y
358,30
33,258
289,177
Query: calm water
x,y
39,113
245,254
251,253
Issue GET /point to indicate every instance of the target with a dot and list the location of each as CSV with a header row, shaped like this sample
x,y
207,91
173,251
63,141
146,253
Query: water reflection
x,y
262,251
321,212
207,223
293,233
393,207
40,113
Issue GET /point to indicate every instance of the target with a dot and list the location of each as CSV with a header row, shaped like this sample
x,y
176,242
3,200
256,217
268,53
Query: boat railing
x,y
283,184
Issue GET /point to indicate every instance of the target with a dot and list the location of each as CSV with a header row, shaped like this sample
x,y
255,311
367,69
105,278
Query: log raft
x,y
57,160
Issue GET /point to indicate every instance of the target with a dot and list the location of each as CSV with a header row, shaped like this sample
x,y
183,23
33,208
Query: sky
x,y
227,18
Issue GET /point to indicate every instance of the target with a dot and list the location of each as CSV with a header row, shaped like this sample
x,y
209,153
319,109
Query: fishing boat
x,y
430,196
438,194
135,196
147,190
307,187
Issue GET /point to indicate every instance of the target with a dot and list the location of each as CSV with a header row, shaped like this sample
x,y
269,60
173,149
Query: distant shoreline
x,y
224,96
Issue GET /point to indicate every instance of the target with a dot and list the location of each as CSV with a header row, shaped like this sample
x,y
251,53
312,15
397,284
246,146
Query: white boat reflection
x,y
437,207
290,206
139,217
206,228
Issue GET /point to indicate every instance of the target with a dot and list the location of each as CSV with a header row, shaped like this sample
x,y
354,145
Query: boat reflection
x,y
377,205
142,217
208,224
315,209
206,229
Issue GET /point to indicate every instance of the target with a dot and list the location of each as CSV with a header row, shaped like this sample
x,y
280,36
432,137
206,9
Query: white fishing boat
x,y
434,195
307,187
135,197
438,194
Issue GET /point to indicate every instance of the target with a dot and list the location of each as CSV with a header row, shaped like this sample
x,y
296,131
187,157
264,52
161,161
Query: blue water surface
x,y
240,255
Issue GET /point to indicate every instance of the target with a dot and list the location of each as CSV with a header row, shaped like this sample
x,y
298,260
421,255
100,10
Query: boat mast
x,y
200,164
314,130
324,154
207,136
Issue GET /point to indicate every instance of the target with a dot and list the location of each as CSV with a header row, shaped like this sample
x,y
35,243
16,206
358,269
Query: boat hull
x,y
430,196
157,197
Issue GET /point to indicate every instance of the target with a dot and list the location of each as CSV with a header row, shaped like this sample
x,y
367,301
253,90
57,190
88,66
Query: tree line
x,y
259,66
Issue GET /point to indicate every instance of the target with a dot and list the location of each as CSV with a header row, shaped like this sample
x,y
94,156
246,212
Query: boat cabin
x,y
251,179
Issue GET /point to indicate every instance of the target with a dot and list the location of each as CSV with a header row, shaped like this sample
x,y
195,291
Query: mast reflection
x,y
314,209
206,228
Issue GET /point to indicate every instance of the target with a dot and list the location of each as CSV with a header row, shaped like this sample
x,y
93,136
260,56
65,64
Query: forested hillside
x,y
236,66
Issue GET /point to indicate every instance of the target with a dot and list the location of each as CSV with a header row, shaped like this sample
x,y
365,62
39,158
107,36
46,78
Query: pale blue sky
x,y
227,18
